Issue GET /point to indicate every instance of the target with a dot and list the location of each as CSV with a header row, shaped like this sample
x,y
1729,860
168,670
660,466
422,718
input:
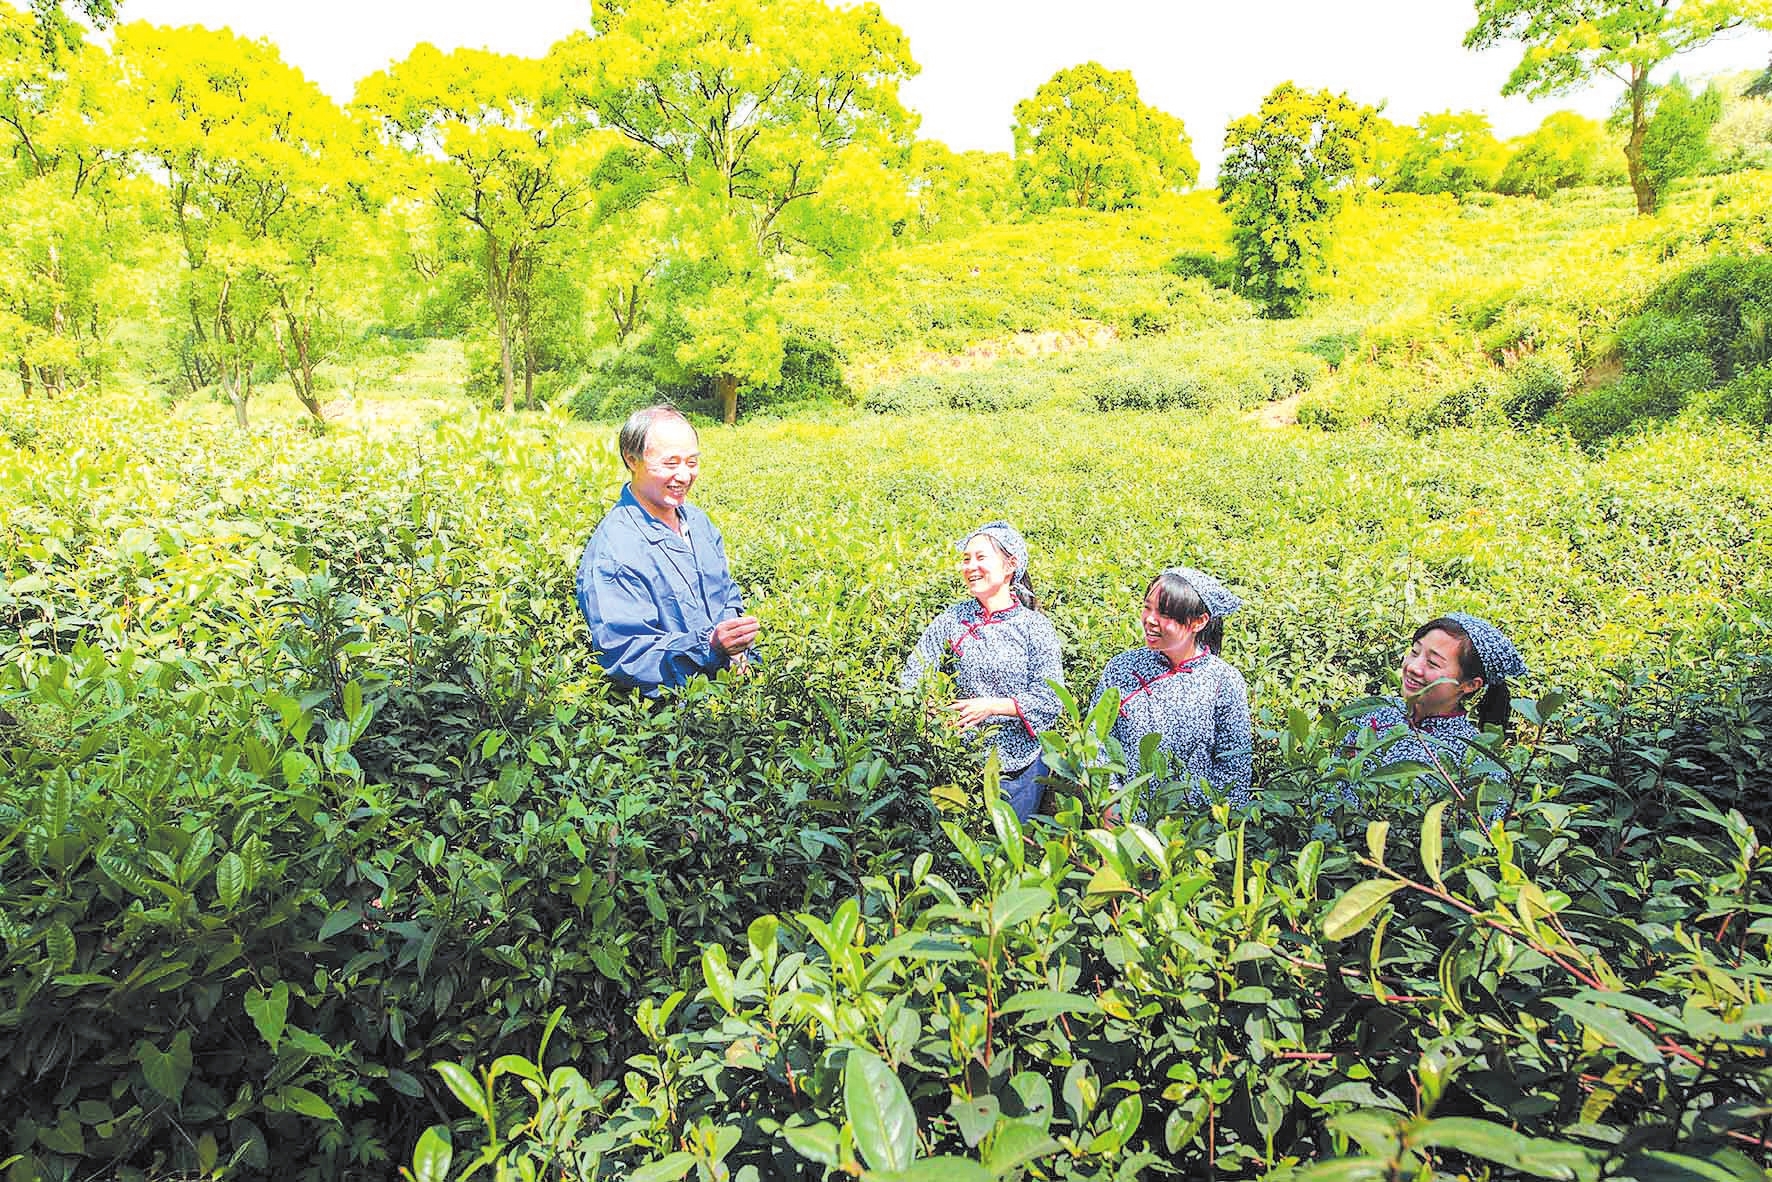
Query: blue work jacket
x,y
652,596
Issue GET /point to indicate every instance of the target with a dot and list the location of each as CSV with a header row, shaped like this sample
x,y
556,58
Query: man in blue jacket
x,y
653,583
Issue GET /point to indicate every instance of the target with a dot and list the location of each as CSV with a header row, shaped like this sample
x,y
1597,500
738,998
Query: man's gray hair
x,y
632,439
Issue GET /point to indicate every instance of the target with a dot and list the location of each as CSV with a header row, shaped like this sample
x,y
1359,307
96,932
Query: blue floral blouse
x,y
1445,739
1200,709
1008,654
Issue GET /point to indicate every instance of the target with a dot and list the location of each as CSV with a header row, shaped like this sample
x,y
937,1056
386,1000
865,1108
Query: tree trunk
x,y
726,385
58,316
297,363
200,375
24,376
499,292
525,329
1633,146
233,367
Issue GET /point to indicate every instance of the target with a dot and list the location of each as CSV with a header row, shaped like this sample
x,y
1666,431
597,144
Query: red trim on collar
x,y
972,629
1144,686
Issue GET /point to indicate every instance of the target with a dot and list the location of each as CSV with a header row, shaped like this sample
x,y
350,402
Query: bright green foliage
x,y
1085,140
60,31
265,196
1676,142
1286,172
1390,143
764,124
957,192
1218,994
69,209
1451,153
331,725
1707,327
507,181
1568,45
1742,137
1559,280
1567,150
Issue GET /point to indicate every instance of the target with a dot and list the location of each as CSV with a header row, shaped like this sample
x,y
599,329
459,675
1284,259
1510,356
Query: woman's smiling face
x,y
984,568
1433,675
1166,634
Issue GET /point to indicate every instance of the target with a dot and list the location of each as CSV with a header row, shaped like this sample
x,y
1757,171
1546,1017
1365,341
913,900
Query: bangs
x,y
1177,599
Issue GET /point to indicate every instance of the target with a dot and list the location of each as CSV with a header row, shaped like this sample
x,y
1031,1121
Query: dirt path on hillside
x,y
1283,413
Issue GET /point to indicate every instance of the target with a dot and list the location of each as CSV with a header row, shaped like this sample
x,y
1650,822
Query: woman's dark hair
x,y
1496,704
1020,585
1177,599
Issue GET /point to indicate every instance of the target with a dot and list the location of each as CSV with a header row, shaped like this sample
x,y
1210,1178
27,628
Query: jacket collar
x,y
650,527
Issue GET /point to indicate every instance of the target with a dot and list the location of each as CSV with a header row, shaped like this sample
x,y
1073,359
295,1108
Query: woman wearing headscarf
x,y
1001,652
1453,661
1179,688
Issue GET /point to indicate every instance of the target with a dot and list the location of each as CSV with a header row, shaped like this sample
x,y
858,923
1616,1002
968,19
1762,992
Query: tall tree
x,y
264,188
1567,149
956,192
1568,43
68,204
479,147
1287,170
1451,153
1084,139
753,115
1676,142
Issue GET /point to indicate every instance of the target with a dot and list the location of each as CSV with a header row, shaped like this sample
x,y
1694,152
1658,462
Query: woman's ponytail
x,y
1496,707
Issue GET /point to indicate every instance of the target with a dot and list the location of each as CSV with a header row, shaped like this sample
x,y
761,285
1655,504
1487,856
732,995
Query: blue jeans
x,y
1023,790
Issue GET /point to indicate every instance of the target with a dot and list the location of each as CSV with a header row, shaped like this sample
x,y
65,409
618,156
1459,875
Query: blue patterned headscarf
x,y
1011,543
1217,598
1500,659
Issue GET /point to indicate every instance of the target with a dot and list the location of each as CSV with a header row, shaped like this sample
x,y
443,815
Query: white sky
x,y
1206,62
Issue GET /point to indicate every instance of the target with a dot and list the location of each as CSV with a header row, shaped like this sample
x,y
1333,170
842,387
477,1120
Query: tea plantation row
x,y
311,789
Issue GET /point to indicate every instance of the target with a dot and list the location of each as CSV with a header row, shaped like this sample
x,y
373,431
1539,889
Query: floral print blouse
x,y
1444,739
1008,654
1201,710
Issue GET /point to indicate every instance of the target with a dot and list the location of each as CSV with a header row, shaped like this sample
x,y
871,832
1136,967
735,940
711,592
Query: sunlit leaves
x,y
1084,139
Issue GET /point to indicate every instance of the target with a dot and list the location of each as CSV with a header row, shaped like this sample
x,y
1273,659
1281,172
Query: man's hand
x,y
735,635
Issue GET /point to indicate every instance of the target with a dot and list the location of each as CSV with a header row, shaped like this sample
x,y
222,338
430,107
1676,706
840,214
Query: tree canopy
x,y
755,119
1286,171
1568,44
1451,152
1084,139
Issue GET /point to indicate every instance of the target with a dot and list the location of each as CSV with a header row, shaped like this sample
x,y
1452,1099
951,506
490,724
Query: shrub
x,y
1747,398
994,389
1332,347
811,370
1218,270
1659,392
616,382
1144,390
1002,387
914,394
1212,992
1535,384
1470,405
1654,337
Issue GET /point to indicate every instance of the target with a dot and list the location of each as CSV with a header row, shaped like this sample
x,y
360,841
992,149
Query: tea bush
x,y
311,785
1243,996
